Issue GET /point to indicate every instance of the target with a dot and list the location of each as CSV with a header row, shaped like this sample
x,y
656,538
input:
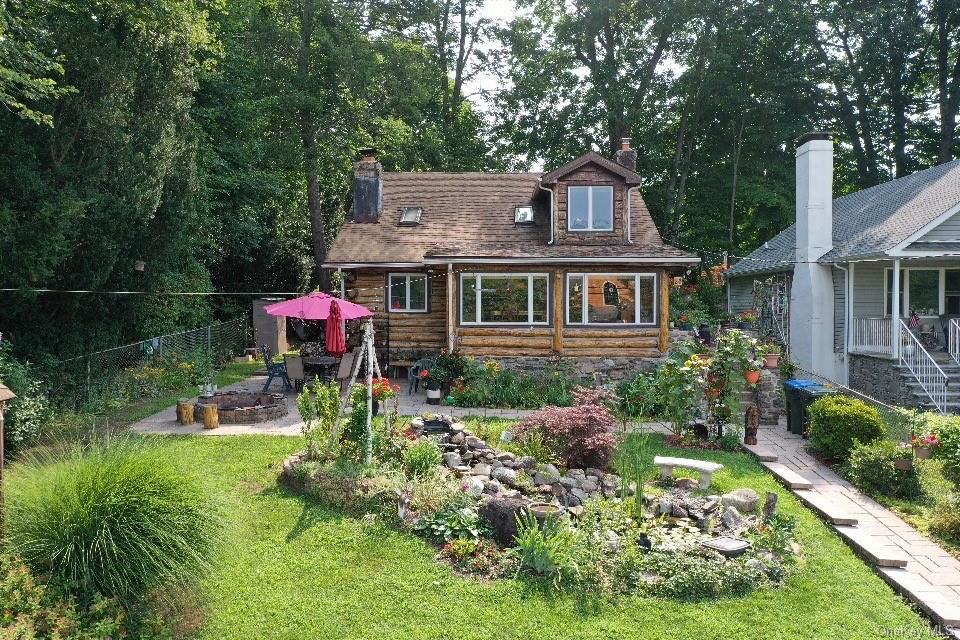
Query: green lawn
x,y
291,569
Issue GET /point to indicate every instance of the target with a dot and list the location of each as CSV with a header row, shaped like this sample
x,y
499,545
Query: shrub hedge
x,y
871,467
838,422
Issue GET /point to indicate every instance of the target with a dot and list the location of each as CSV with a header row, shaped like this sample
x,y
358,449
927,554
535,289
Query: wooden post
x,y
664,312
558,311
450,303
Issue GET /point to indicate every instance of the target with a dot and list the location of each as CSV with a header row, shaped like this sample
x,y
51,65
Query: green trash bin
x,y
808,395
792,390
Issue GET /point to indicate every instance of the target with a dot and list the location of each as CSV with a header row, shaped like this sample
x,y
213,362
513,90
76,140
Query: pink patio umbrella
x,y
336,338
317,306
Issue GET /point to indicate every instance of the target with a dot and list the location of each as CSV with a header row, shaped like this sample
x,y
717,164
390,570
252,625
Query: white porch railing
x,y
924,368
872,335
953,339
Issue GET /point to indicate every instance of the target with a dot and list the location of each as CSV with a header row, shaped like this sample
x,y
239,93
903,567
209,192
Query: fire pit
x,y
236,407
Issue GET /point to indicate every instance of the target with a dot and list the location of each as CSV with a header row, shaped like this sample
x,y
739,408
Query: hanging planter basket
x,y
771,360
924,453
903,464
752,376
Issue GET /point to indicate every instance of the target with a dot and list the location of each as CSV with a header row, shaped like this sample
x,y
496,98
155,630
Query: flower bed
x,y
494,514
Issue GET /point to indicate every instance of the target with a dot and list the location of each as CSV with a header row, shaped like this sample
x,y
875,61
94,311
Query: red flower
x,y
425,374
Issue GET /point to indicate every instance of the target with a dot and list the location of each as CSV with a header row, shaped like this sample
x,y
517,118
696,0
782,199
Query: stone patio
x,y
415,404
911,563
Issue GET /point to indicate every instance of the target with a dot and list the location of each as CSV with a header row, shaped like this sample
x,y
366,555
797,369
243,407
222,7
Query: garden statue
x,y
751,424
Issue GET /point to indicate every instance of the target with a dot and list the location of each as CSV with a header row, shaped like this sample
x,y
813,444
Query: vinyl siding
x,y
741,294
839,310
947,231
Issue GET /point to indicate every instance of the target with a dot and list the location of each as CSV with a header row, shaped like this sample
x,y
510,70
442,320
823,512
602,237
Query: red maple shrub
x,y
579,436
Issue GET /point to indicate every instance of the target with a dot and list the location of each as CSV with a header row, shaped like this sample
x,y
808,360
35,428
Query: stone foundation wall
x,y
878,378
585,370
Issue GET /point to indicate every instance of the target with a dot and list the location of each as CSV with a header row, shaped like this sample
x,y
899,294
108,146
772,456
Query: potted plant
x,y
746,319
904,459
433,378
728,321
382,391
751,372
923,445
684,323
771,353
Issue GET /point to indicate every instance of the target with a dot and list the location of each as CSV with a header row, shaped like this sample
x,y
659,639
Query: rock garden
x,y
560,498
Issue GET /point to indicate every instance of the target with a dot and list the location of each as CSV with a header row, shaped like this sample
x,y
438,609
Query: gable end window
x,y
504,298
612,299
590,208
407,292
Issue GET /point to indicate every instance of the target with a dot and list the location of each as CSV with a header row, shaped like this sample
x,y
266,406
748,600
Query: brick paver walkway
x,y
912,563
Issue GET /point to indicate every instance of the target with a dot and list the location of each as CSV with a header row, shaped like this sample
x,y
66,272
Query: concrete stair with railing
x,y
950,368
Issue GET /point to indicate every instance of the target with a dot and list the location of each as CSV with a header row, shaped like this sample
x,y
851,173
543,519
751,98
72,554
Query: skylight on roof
x,y
523,215
410,215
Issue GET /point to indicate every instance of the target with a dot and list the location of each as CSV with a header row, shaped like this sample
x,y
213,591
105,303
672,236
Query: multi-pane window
x,y
590,208
611,298
407,292
504,298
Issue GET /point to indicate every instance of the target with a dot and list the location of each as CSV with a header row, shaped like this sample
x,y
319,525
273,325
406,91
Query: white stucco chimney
x,y
811,296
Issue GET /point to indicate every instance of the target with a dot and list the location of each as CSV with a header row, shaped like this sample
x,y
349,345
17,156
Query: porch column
x,y
895,310
450,308
850,271
558,319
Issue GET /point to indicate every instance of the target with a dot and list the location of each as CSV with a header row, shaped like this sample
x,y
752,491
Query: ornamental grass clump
x,y
117,520
579,436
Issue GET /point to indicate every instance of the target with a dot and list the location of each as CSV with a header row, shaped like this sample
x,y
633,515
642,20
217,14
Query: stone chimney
x,y
367,188
811,295
625,156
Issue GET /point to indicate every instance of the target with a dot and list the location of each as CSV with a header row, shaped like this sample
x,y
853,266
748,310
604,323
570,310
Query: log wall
x,y
412,335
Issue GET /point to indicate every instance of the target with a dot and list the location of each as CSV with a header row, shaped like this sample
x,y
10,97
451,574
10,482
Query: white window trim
x,y
636,301
504,274
408,277
590,187
905,289
516,211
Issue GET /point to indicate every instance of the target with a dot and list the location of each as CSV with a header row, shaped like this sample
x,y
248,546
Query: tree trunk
x,y
318,223
737,148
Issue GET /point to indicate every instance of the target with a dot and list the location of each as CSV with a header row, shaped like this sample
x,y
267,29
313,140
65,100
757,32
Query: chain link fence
x,y
146,369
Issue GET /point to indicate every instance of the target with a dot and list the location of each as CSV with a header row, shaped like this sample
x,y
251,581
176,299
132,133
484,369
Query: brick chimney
x,y
625,156
367,187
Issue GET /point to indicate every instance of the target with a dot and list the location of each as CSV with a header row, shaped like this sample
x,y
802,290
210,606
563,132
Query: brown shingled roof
x,y
471,215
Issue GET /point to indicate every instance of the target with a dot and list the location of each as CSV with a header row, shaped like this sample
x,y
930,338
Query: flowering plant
x,y
929,440
382,389
747,315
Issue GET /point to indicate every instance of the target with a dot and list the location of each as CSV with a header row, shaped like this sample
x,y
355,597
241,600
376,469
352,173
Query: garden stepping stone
x,y
877,550
836,509
764,455
945,611
788,476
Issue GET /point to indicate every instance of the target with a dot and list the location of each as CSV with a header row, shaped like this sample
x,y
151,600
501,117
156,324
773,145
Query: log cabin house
x,y
521,267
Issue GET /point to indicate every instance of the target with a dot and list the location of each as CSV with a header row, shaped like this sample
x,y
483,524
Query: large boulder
x,y
504,475
501,513
745,500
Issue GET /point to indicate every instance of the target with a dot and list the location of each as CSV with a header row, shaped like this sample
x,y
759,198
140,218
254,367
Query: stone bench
x,y
706,469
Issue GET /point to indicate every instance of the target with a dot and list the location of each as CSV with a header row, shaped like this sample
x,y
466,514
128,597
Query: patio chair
x,y
274,369
345,370
295,371
418,367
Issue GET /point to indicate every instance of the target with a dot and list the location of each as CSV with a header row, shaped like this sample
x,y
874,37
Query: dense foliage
x,y
838,422
28,413
117,520
872,467
487,383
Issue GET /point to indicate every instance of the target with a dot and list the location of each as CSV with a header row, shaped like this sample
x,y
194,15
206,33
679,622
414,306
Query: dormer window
x,y
523,215
410,216
590,208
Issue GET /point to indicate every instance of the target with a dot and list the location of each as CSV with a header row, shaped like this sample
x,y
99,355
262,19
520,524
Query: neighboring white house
x,y
846,259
